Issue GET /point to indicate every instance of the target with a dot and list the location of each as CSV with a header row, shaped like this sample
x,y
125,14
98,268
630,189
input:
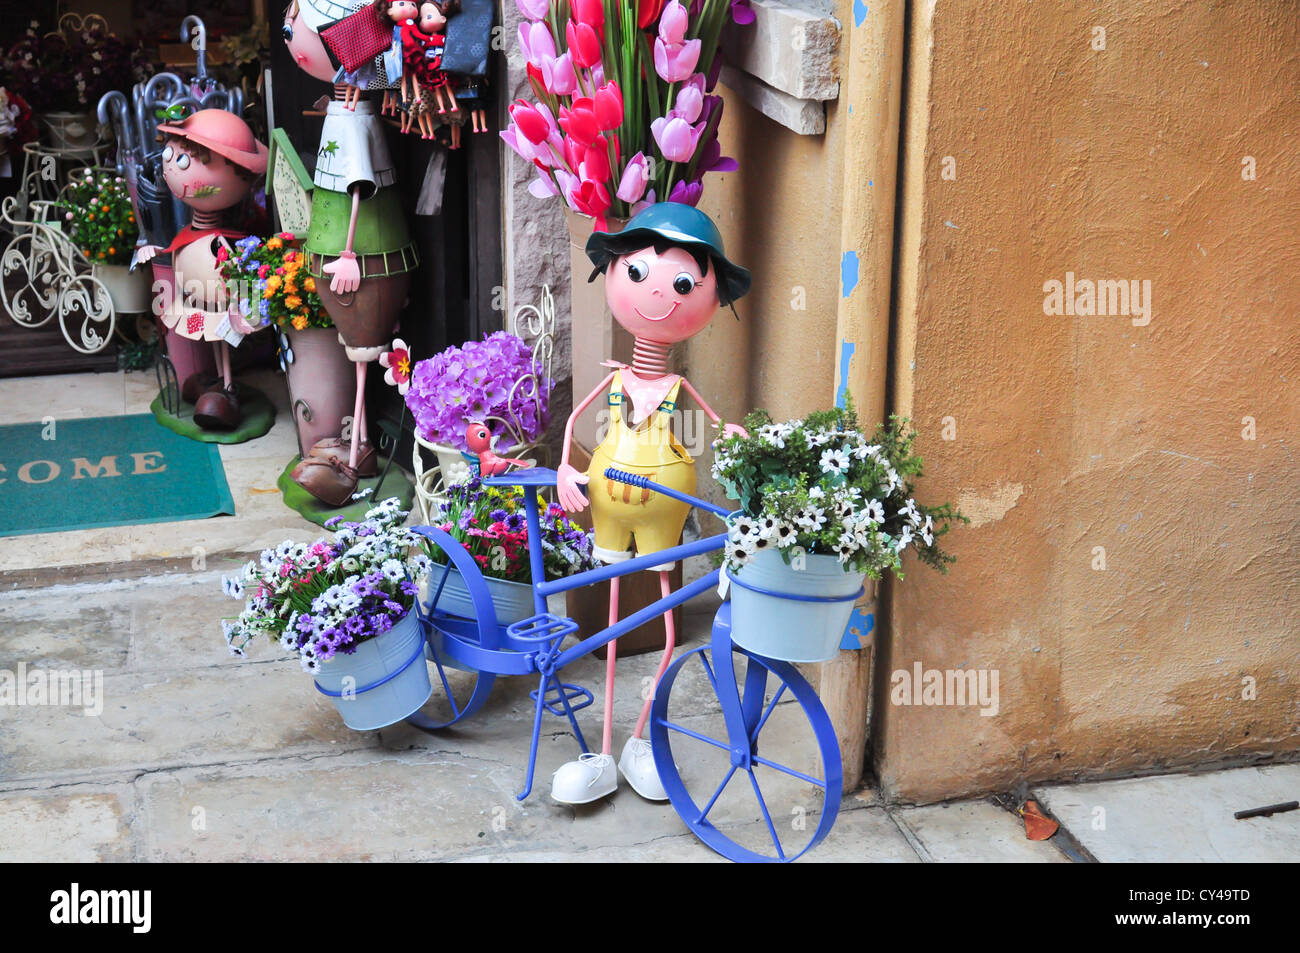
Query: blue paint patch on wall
x,y
859,12
859,627
848,273
846,354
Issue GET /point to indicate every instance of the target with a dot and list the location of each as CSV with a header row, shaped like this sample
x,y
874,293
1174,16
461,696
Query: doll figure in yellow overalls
x,y
666,275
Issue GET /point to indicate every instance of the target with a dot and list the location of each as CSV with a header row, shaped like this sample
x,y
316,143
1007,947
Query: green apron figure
x,y
358,246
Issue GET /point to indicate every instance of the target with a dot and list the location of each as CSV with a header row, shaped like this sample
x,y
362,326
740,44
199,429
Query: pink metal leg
x,y
607,739
358,412
665,587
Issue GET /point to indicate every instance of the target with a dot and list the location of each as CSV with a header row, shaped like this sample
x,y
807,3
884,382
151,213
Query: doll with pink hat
x,y
211,161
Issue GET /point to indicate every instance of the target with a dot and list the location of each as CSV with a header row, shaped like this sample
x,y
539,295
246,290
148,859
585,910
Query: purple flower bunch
x,y
319,599
70,68
474,383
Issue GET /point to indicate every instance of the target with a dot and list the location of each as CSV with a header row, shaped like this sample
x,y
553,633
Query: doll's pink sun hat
x,y
223,133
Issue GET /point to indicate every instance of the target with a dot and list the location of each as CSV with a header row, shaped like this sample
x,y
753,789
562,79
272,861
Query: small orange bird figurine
x,y
479,439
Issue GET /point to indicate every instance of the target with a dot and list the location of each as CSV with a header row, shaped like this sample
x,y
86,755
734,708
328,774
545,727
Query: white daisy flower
x,y
927,531
904,538
876,511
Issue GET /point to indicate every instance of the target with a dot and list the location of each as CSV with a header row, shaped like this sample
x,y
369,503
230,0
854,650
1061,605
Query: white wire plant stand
x,y
535,326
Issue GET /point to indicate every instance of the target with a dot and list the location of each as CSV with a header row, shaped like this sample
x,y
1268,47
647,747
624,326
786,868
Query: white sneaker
x,y
638,766
588,779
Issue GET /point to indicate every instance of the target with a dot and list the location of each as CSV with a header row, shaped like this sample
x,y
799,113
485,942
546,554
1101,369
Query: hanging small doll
x,y
422,48
210,162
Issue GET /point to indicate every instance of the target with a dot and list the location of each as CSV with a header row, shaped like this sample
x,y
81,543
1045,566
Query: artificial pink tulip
x,y
675,62
608,103
592,199
534,9
533,121
543,186
645,203
560,76
672,25
574,152
590,12
584,44
595,164
579,120
536,42
635,178
677,138
646,11
518,142
690,99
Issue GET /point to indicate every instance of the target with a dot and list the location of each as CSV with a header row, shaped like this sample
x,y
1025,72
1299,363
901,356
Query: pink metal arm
x,y
568,479
727,430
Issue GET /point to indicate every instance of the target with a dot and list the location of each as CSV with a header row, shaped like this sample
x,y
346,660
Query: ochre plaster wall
x,y
1075,434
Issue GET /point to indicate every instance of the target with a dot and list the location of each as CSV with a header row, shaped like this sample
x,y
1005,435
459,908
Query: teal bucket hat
x,y
682,225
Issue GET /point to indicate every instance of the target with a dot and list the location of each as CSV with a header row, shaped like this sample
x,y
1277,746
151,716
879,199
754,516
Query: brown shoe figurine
x,y
336,448
330,481
198,384
218,409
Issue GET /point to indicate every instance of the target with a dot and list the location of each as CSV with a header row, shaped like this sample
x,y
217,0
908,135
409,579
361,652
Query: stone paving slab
x,y
974,831
1183,817
60,827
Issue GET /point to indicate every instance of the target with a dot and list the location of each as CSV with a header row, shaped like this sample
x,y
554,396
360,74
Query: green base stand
x,y
313,510
258,411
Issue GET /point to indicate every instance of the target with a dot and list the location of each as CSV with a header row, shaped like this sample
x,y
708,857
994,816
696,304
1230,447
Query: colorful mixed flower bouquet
x,y
329,596
477,382
625,114
490,523
268,280
821,486
97,213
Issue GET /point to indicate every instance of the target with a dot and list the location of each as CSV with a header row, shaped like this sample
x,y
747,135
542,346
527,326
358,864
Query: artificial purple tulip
x,y
559,76
676,138
543,186
635,178
712,159
687,193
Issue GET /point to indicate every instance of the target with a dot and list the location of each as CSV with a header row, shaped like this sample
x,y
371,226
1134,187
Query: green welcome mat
x,y
105,471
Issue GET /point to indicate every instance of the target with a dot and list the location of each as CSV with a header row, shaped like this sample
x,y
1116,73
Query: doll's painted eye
x,y
683,284
167,154
183,161
286,31
638,270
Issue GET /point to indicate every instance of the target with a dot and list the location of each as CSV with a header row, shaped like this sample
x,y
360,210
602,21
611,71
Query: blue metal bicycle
x,y
762,705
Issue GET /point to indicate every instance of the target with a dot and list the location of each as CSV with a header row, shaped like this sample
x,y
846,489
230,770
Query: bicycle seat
x,y
533,476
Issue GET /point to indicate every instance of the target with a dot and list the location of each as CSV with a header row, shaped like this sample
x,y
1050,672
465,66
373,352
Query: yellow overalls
x,y
620,512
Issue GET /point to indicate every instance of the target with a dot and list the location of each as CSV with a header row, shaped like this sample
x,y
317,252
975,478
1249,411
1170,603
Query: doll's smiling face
x,y
208,187
661,297
399,11
431,19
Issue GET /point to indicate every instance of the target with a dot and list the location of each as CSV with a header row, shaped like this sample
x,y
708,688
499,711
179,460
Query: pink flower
x,y
690,99
543,186
672,25
584,44
580,122
635,178
398,362
536,42
676,138
591,198
533,9
534,121
687,193
595,164
608,104
591,13
675,63
559,75
645,203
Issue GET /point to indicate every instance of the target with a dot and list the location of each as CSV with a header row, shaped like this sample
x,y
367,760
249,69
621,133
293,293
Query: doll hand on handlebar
x,y
144,254
346,272
568,486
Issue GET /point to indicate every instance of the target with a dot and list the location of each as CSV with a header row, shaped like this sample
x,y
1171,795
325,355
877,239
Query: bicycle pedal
x,y
554,702
544,627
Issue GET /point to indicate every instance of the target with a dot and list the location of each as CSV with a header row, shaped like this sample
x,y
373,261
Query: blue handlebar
x,y
645,483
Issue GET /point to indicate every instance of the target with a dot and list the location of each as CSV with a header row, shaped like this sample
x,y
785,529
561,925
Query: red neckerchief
x,y
189,235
